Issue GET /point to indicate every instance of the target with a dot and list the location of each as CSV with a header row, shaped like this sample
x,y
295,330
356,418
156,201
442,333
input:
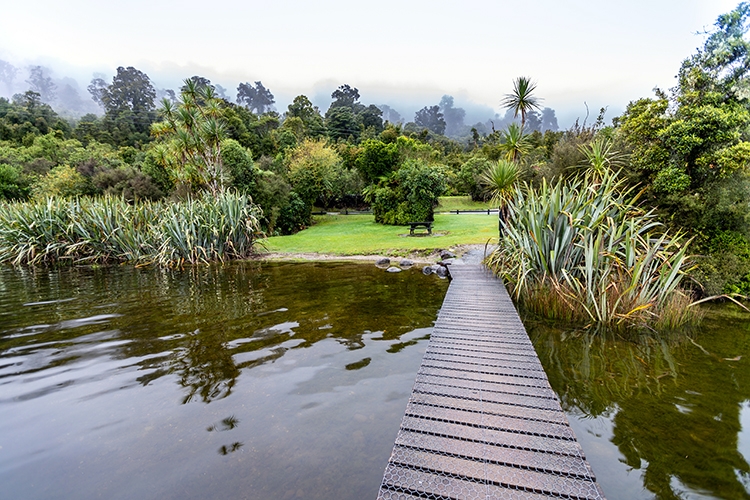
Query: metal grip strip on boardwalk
x,y
482,421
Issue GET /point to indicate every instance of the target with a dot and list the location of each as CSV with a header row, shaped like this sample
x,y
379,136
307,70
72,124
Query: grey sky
x,y
605,52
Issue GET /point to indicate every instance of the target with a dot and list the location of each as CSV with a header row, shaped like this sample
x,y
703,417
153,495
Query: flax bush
x,y
108,229
583,251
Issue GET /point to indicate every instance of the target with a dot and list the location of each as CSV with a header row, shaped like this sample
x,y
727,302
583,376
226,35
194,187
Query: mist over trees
x,y
255,98
126,136
687,149
430,118
348,118
74,101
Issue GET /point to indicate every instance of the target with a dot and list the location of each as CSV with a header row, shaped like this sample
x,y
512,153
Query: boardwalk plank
x,y
482,421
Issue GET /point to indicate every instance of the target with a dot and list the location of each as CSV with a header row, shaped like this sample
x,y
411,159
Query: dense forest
x,y
685,149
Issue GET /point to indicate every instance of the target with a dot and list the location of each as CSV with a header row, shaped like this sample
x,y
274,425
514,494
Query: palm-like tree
x,y
499,182
601,157
521,99
515,143
192,132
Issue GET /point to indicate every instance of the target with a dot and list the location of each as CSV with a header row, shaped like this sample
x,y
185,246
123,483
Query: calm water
x,y
272,382
282,381
665,418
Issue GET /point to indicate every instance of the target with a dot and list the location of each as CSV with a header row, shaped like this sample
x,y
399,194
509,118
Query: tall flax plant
x,y
108,229
197,231
583,251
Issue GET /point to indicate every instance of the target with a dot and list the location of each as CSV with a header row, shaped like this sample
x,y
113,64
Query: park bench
x,y
415,225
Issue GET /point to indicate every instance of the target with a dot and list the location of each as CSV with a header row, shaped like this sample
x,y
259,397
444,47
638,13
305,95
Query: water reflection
x,y
212,322
109,375
673,405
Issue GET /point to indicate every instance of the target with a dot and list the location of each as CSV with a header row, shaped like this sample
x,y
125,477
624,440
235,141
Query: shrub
x,y
284,211
63,182
109,229
583,251
13,184
313,171
239,163
128,183
411,194
469,176
377,159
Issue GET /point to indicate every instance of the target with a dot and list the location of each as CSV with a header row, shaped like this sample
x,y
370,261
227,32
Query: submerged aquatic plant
x,y
584,251
109,229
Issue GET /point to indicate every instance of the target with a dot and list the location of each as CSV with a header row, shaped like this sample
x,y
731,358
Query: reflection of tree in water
x,y
674,406
306,303
227,424
206,367
205,324
211,301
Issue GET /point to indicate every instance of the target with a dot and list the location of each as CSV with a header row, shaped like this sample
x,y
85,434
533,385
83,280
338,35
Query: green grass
x,y
448,203
360,235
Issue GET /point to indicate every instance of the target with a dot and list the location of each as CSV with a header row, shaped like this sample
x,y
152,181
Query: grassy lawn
x,y
448,203
360,235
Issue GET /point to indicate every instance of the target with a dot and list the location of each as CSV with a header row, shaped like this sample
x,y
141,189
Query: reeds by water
x,y
108,229
583,251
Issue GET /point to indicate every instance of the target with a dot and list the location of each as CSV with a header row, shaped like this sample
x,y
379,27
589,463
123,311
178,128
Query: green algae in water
x,y
662,417
237,381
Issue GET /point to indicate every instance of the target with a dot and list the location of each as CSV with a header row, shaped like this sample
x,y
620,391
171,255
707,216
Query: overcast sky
x,y
404,53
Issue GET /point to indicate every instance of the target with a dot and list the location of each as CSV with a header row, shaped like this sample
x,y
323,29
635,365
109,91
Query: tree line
x,y
685,148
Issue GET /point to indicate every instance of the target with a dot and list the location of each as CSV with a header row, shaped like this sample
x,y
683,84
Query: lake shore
x,y
418,257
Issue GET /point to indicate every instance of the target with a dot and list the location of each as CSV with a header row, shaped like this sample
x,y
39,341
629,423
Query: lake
x,y
289,380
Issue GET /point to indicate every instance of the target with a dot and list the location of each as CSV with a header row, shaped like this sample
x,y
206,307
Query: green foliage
x,y
13,184
63,182
371,120
127,183
583,251
377,159
515,143
156,171
499,182
349,120
469,175
109,230
284,212
725,269
191,137
341,123
294,215
413,149
129,108
313,170
602,156
670,180
238,163
303,109
27,117
410,195
690,149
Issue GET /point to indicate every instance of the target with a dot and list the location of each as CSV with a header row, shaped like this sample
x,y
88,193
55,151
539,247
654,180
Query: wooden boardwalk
x,y
482,421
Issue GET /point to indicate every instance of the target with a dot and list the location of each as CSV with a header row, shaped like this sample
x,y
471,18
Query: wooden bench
x,y
415,225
